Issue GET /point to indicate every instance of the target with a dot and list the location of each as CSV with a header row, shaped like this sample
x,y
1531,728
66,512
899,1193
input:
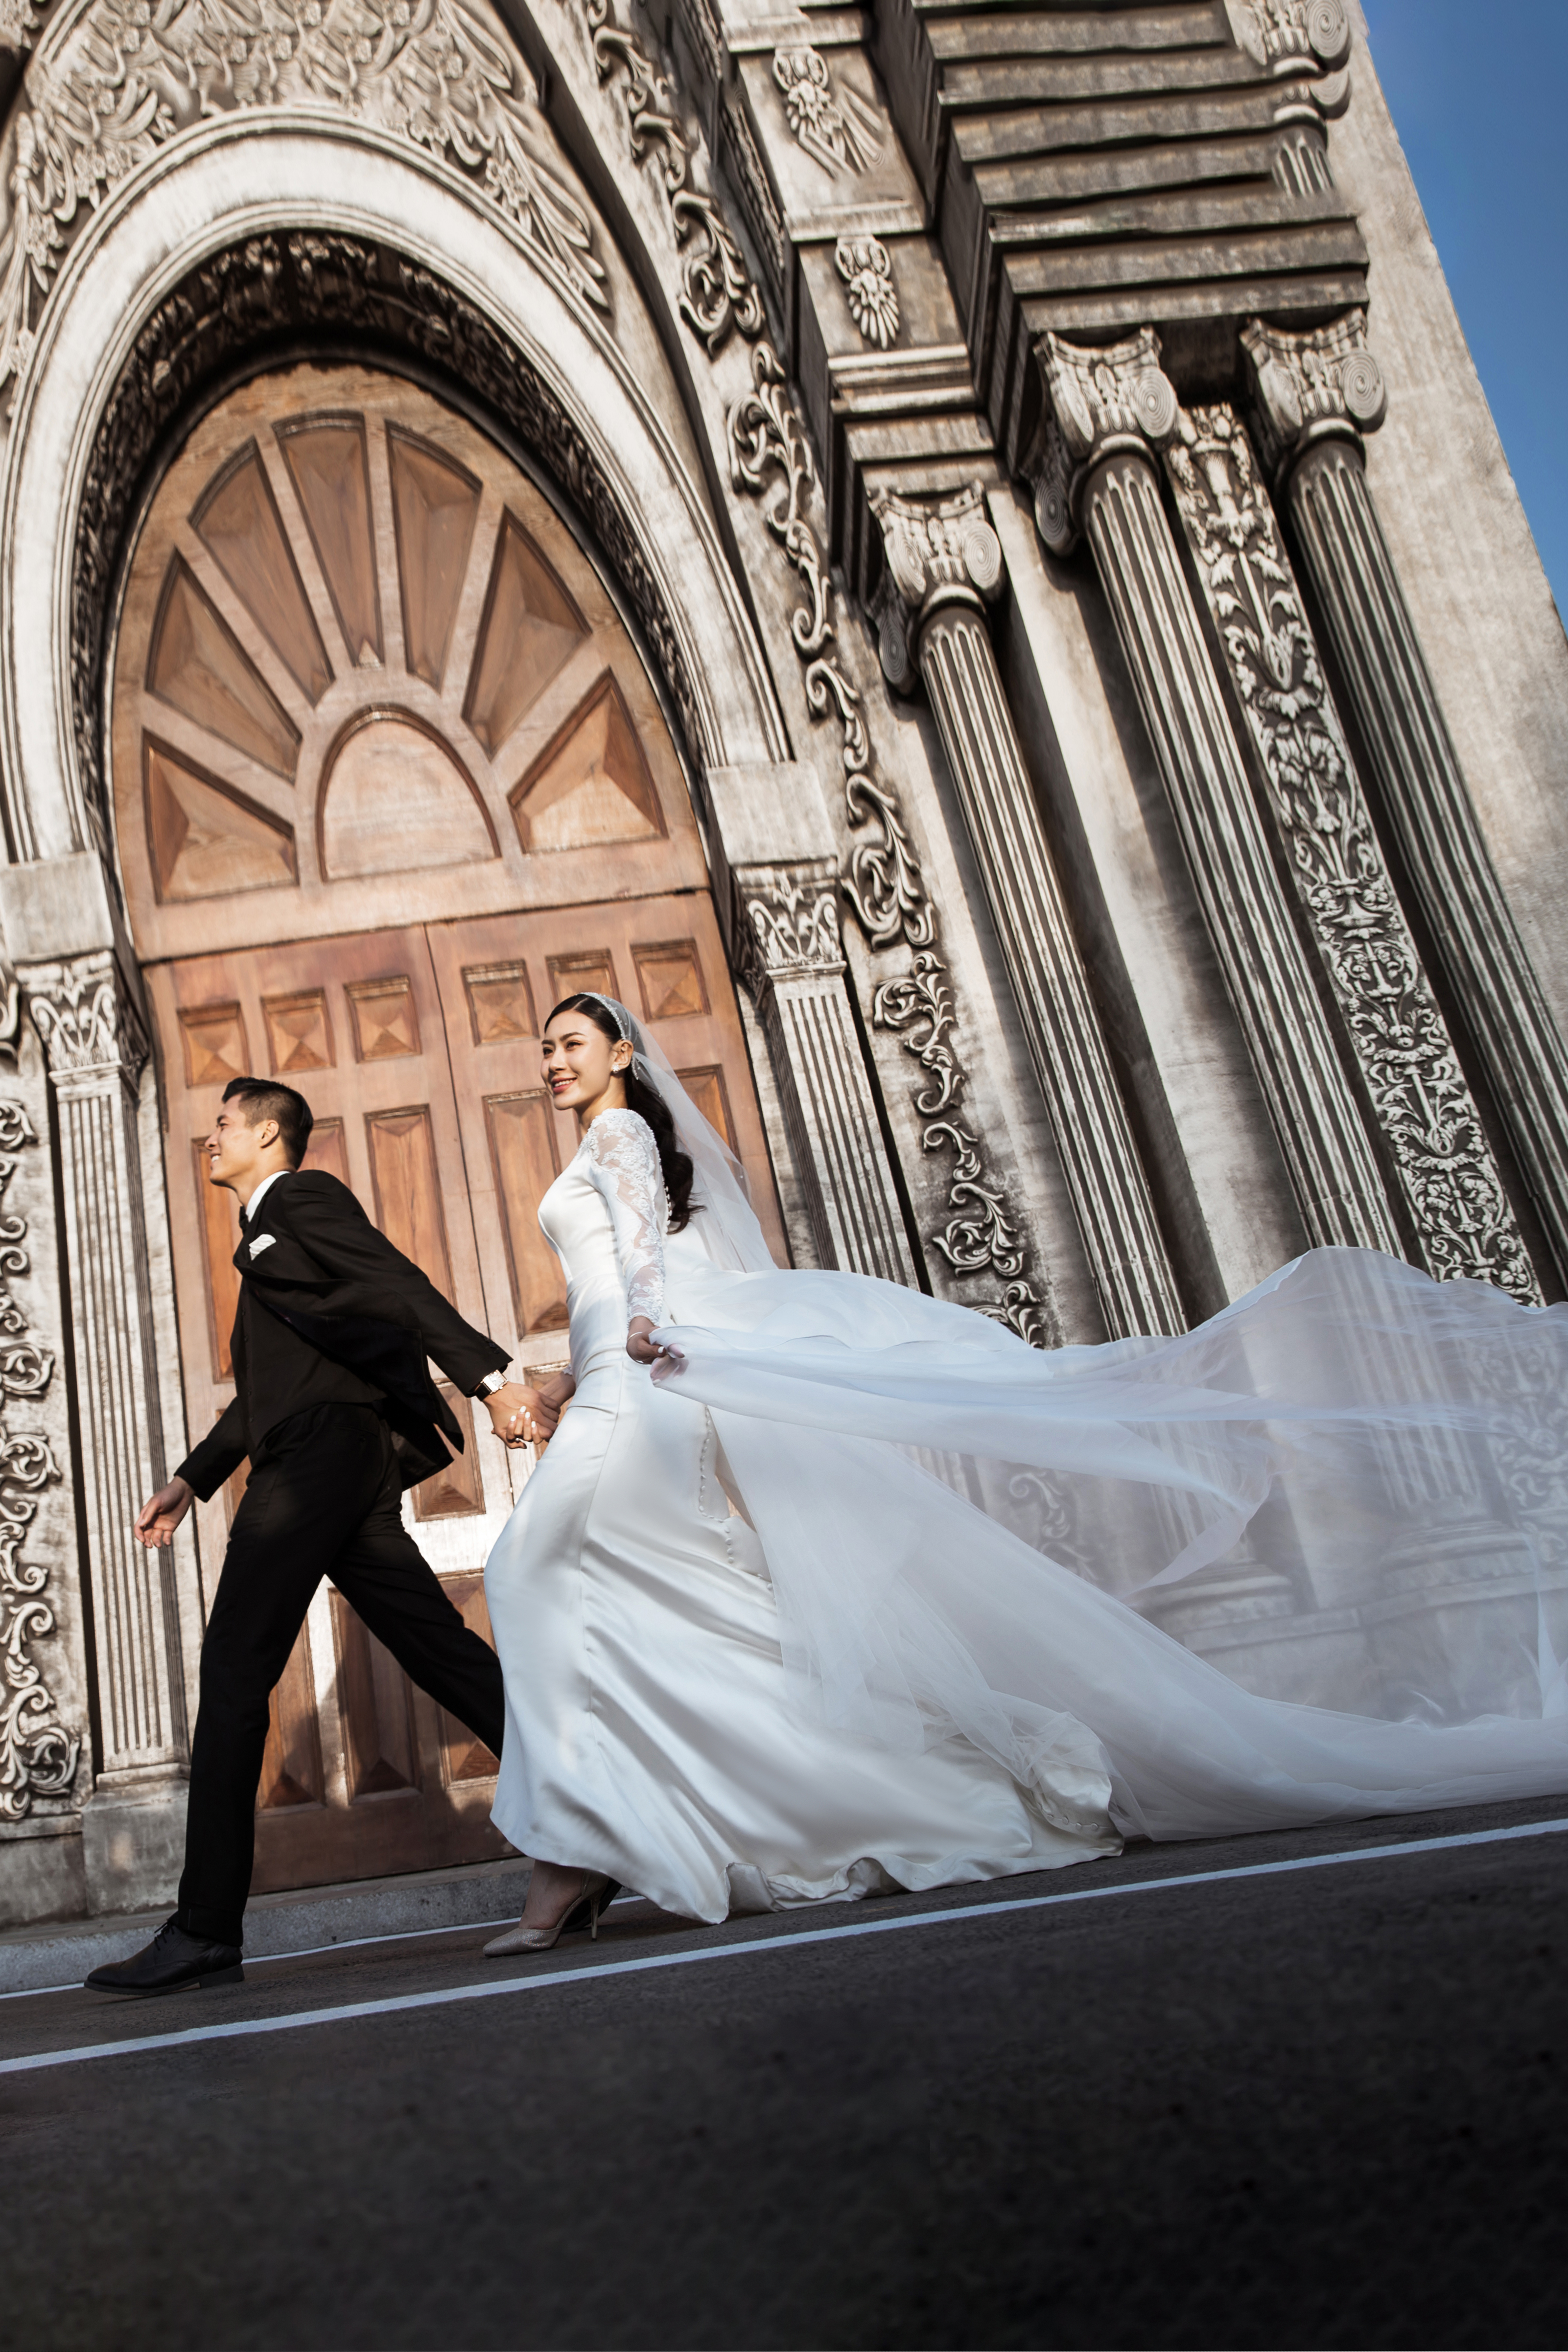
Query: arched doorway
x,y
390,777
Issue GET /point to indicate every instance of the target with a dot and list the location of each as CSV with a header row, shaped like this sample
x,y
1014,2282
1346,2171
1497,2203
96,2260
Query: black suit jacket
x,y
331,1313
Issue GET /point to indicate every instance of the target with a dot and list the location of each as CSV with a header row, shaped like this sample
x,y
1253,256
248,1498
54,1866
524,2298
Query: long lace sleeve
x,y
625,1162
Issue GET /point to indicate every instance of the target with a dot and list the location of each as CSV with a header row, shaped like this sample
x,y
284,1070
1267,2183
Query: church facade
x,y
951,556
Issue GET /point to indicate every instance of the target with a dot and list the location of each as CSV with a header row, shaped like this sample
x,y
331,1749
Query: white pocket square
x,y
262,1241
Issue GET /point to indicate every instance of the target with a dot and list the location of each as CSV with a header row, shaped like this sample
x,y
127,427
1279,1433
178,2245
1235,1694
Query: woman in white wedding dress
x,y
778,1614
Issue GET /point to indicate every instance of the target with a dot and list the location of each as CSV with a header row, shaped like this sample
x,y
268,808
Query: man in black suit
x,y
335,1406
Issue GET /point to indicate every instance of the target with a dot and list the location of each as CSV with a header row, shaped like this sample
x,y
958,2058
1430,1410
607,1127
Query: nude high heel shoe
x,y
591,1897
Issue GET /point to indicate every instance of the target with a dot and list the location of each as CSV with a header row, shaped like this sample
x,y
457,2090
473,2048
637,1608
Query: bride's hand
x,y
640,1347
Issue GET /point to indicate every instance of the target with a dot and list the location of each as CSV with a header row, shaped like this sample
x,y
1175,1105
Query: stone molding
x,y
112,82
95,1044
941,556
1453,1197
787,921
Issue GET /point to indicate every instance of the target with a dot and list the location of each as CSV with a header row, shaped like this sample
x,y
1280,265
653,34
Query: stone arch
x,y
226,256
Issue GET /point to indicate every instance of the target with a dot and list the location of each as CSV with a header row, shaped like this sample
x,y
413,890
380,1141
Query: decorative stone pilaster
x,y
1317,394
942,558
791,959
1109,411
1454,1205
96,1048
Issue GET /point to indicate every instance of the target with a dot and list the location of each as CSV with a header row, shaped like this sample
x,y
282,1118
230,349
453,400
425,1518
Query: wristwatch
x,y
489,1385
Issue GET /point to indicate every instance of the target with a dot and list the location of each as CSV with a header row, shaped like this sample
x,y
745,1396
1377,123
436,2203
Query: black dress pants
x,y
325,1499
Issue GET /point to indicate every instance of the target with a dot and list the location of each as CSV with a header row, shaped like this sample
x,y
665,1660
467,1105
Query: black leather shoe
x,y
581,1914
170,1963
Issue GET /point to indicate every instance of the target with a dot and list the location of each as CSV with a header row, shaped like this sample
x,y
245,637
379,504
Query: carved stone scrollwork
x,y
771,457
830,120
1453,1195
125,77
19,21
942,557
1113,409
38,1753
717,293
1317,393
864,265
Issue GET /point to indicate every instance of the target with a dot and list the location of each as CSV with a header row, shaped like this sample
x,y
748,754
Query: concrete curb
x,y
37,1958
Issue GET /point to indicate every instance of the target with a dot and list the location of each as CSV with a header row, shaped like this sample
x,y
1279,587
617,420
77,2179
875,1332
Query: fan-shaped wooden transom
x,y
363,662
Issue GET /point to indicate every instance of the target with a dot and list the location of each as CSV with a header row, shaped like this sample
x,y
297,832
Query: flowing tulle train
x,y
963,1534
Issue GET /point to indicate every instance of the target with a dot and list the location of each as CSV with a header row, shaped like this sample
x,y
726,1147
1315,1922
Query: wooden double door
x,y
417,1049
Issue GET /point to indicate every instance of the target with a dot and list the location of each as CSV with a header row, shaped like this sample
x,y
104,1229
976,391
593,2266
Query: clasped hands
x,y
524,1415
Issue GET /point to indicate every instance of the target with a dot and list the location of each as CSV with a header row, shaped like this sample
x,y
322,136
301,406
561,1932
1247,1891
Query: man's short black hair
x,y
262,1099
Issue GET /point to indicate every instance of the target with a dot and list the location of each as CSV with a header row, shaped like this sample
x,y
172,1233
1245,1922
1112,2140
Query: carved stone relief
x,y
864,265
19,22
830,121
38,1753
1418,1092
771,458
123,79
716,290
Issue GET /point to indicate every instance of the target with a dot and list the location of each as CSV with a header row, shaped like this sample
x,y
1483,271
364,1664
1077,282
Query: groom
x,y
336,1409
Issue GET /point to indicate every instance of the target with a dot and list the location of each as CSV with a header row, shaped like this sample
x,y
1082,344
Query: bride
x,y
822,1588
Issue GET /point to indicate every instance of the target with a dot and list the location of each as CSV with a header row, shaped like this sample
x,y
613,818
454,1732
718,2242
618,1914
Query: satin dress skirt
x,y
654,1730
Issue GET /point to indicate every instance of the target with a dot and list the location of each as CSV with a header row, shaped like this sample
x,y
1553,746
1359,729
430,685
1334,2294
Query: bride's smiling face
x,y
583,1067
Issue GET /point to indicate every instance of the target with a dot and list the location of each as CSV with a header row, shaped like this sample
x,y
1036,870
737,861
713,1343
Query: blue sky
x,y
1476,97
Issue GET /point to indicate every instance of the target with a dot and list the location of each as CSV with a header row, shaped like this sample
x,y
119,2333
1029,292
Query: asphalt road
x,y
1316,2106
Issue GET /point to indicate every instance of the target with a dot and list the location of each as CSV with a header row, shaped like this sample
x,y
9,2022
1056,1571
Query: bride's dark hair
x,y
678,1169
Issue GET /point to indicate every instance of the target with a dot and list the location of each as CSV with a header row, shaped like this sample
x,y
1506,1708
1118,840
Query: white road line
x,y
790,1941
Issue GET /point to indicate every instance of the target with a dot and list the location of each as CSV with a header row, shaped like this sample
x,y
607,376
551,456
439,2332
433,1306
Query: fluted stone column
x,y
96,1048
1317,393
777,866
942,557
1456,1214
1110,411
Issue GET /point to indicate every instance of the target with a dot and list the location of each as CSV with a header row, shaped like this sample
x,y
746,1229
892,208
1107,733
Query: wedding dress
x,y
846,1594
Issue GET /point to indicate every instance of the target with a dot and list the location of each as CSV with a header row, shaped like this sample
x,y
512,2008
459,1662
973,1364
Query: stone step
x,y
35,1959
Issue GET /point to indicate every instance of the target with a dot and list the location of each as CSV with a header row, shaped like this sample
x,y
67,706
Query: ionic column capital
x,y
1322,384
90,1028
939,551
1099,403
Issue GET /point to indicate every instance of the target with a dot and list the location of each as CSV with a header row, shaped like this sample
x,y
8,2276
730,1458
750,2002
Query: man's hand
x,y
157,1519
520,1414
